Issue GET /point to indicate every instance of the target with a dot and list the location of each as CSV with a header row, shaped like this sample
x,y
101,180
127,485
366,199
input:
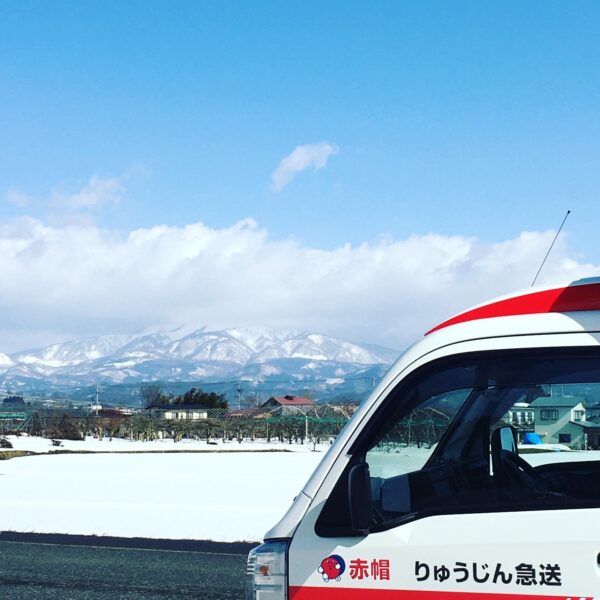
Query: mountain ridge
x,y
180,354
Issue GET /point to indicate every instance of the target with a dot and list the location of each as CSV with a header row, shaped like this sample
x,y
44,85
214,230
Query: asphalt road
x,y
34,570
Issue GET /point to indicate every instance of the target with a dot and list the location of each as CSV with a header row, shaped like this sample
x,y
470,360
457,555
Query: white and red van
x,y
432,491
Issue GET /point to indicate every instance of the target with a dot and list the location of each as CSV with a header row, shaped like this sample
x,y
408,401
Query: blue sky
x,y
469,119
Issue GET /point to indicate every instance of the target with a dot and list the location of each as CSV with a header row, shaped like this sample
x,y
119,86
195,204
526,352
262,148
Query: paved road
x,y
43,571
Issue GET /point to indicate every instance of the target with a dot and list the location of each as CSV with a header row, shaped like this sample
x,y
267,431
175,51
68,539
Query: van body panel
x,y
486,546
456,543
544,550
286,527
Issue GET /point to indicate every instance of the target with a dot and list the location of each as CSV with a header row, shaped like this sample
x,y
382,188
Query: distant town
x,y
559,418
193,415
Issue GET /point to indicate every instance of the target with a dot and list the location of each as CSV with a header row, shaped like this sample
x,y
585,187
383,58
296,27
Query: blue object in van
x,y
532,438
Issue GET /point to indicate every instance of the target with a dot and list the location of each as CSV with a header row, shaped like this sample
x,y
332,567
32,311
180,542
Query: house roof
x,y
248,413
586,424
290,400
186,407
557,402
112,412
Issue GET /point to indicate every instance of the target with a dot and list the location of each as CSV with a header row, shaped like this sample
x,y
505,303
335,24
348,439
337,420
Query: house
x,y
113,412
289,405
592,416
593,413
521,416
184,412
562,420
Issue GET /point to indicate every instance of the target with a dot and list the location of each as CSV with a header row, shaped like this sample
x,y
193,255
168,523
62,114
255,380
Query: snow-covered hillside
x,y
183,355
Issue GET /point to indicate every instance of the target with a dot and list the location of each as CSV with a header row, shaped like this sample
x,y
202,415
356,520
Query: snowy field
x,y
220,496
224,492
91,444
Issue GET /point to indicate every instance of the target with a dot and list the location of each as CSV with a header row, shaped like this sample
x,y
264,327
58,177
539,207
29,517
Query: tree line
x,y
142,426
154,397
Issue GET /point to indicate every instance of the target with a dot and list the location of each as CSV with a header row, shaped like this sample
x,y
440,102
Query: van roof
x,y
580,295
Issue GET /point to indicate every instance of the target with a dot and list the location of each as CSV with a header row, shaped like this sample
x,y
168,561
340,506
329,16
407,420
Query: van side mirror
x,y
359,498
505,438
503,443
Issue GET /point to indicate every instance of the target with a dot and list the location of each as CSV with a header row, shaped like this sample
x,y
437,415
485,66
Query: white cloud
x,y
302,157
81,280
72,205
98,192
18,198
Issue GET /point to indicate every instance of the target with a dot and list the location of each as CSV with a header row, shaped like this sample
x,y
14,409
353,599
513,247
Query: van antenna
x,y
550,249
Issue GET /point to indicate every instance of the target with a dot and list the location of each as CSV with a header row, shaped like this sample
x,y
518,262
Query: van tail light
x,y
266,571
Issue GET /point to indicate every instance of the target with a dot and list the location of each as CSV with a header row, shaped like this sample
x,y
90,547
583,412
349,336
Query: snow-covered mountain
x,y
178,355
73,352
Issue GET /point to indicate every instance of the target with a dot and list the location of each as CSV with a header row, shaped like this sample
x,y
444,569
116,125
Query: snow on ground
x,y
544,458
91,444
214,496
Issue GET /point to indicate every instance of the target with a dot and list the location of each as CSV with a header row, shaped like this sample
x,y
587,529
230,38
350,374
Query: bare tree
x,y
152,395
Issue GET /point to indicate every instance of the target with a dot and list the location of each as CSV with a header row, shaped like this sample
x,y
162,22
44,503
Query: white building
x,y
562,420
521,415
185,413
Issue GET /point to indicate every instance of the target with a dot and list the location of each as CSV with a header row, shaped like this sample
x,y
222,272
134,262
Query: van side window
x,y
482,432
410,442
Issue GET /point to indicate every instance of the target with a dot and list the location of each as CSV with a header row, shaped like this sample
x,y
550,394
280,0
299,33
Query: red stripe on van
x,y
327,593
568,299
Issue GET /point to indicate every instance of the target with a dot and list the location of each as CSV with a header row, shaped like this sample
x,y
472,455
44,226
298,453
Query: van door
x,y
456,505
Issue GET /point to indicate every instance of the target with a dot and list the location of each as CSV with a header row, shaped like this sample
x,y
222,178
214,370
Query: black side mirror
x,y
505,438
359,498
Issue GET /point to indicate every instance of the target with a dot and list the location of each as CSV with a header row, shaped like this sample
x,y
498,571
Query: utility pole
x,y
238,396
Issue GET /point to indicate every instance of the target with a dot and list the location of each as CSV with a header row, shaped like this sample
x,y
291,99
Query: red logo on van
x,y
332,567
